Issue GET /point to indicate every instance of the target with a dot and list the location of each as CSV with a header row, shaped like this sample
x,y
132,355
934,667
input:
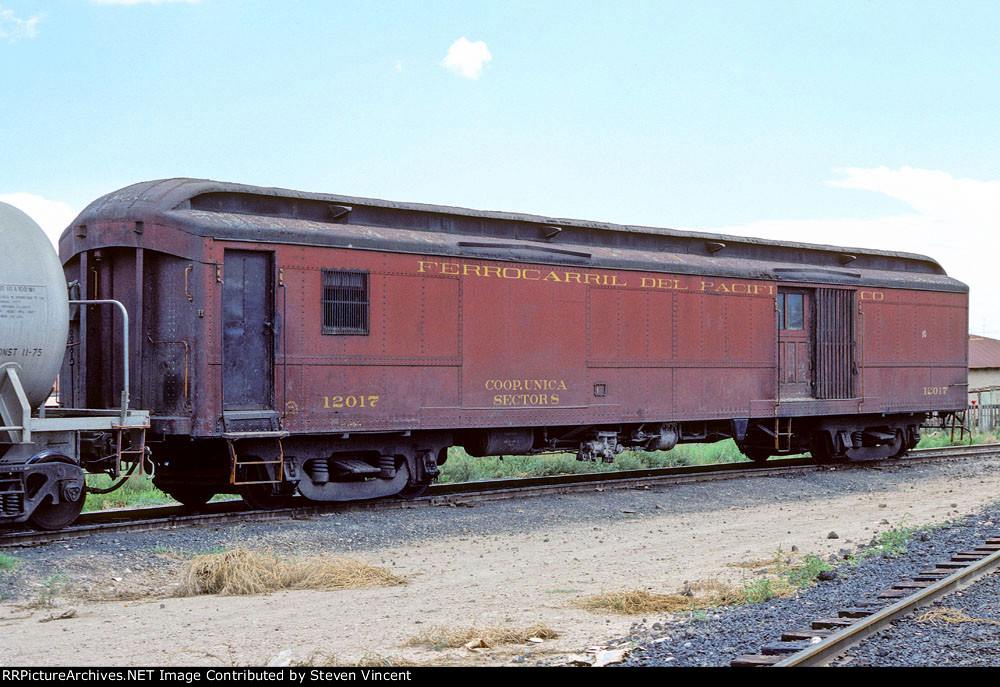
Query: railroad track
x,y
830,638
466,493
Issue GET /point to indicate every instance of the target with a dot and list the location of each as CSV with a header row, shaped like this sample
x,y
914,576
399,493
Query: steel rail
x,y
962,450
171,516
464,493
836,644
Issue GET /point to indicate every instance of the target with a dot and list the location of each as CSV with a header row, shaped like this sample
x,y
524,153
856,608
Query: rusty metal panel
x,y
524,342
913,355
835,344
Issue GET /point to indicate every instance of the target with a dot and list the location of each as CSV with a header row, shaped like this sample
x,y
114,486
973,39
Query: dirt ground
x,y
506,579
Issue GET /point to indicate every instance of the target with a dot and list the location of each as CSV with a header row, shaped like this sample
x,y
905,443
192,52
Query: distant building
x,y
984,370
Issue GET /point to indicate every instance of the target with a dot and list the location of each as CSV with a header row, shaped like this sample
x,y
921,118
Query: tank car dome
x,y
34,305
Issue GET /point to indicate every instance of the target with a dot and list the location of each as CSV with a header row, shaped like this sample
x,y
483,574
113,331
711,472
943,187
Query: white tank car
x,y
46,451
34,306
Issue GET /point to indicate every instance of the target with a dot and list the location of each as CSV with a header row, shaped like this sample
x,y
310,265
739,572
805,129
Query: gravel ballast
x,y
492,564
920,639
715,637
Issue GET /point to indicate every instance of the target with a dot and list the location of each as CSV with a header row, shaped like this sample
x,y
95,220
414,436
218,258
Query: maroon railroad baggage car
x,y
338,346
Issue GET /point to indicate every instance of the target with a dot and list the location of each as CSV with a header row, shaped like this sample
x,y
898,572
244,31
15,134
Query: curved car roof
x,y
237,212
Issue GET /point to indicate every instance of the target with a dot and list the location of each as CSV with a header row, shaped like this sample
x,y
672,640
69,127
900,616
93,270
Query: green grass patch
x,y
461,467
939,438
137,491
8,562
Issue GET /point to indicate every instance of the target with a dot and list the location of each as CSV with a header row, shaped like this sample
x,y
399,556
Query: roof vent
x,y
340,211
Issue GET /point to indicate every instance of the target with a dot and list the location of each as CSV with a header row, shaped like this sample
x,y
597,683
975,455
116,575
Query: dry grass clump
x,y
242,571
640,601
942,616
482,637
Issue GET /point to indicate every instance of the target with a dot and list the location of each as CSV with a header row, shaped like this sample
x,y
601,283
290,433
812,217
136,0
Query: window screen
x,y
345,303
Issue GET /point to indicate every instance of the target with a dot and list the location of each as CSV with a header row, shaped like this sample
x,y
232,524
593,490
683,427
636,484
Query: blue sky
x,y
855,123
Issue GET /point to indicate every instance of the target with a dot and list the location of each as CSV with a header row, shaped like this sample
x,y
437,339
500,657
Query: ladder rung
x,y
236,462
138,434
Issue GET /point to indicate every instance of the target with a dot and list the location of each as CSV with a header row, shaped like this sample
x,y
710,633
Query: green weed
x,y
137,491
764,589
8,562
891,544
806,572
51,588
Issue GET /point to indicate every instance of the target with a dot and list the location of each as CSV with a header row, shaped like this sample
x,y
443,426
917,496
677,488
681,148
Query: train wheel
x,y
55,516
757,455
191,497
427,470
821,447
899,447
412,491
266,495
49,516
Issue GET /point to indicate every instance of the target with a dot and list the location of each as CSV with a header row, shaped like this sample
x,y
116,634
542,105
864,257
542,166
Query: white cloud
x,y
53,216
932,193
953,220
399,65
12,28
467,59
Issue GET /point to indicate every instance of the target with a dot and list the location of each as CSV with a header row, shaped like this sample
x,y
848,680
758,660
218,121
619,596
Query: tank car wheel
x,y
55,516
264,496
49,516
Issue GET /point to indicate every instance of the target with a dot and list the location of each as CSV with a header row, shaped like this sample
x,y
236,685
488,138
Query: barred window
x,y
345,303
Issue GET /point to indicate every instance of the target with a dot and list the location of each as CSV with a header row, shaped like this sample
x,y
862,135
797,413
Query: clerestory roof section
x,y
238,212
